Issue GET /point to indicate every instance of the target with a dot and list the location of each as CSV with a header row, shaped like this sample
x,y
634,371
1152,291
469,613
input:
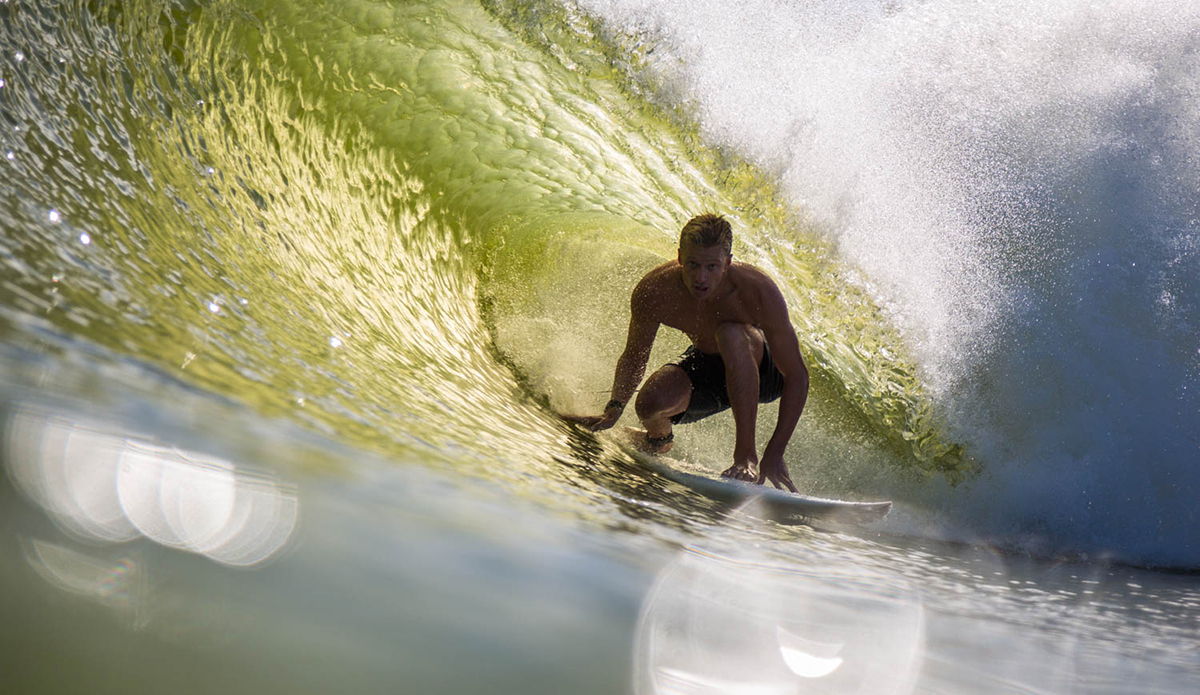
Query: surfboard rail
x,y
780,505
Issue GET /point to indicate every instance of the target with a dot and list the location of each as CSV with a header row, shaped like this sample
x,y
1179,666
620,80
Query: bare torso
x,y
738,300
703,293
729,309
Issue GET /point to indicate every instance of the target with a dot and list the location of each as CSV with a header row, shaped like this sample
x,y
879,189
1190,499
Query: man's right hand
x,y
596,423
741,471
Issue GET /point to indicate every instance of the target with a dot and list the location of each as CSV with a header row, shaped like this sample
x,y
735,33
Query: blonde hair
x,y
708,230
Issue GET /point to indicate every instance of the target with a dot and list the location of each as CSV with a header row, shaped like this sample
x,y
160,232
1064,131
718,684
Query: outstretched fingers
x,y
585,420
777,477
594,423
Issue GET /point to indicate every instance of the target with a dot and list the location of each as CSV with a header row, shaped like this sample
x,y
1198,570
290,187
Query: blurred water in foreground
x,y
135,561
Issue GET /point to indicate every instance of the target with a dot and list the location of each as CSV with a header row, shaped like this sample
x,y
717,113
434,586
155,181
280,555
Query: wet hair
x,y
707,231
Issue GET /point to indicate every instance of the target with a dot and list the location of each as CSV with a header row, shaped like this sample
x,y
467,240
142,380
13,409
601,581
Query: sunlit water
x,y
292,291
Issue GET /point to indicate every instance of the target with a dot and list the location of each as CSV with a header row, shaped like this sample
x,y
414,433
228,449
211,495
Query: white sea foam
x,y
1019,178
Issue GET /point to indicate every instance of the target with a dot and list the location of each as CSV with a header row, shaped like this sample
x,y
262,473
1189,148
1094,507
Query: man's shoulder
x,y
750,275
659,277
759,290
656,286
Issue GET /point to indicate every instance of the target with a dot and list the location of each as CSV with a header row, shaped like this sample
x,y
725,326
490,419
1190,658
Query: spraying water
x,y
1019,182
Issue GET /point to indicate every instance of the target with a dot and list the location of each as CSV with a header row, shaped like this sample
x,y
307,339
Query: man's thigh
x,y
666,392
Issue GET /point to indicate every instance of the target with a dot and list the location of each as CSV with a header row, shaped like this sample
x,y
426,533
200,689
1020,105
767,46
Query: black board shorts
x,y
707,374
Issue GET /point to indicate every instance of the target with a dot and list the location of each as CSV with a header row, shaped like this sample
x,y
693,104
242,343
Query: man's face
x,y
703,268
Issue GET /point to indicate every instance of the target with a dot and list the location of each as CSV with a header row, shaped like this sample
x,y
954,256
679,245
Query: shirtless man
x,y
744,352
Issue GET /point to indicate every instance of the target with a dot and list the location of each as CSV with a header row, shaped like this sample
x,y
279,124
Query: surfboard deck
x,y
779,505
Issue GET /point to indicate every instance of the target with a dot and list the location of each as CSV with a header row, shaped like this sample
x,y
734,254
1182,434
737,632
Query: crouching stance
x,y
744,352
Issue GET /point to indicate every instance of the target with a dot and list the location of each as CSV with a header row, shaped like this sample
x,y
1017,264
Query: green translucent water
x,y
370,248
346,213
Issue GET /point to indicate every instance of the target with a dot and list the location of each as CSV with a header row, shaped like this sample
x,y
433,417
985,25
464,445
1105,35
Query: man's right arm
x,y
631,366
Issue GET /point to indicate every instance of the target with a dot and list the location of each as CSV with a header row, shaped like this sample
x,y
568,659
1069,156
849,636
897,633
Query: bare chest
x,y
699,321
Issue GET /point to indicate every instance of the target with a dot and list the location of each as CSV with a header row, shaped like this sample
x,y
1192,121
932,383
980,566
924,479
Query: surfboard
x,y
779,505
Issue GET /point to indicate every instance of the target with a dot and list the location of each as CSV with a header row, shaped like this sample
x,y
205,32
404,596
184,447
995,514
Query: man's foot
x,y
651,445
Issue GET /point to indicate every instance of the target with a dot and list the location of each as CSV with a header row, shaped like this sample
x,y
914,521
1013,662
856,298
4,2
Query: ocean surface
x,y
292,292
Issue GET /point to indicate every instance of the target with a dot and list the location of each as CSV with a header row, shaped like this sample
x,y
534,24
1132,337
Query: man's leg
x,y
664,395
741,347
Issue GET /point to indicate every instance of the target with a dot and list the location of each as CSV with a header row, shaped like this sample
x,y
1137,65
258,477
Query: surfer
x,y
744,352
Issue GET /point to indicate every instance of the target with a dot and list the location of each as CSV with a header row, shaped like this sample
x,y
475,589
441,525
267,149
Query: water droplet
x,y
10,156
211,171
19,56
214,307
85,239
335,342
54,216
243,301
55,278
2,83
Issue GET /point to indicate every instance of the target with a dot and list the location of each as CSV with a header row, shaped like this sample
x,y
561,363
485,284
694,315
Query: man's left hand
x,y
774,468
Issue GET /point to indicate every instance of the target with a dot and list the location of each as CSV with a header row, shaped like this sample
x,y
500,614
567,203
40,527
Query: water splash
x,y
1014,181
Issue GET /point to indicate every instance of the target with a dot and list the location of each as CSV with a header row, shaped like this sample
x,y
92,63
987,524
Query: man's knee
x,y
736,340
666,391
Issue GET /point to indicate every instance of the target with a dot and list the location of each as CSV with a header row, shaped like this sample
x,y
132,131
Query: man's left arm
x,y
785,350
